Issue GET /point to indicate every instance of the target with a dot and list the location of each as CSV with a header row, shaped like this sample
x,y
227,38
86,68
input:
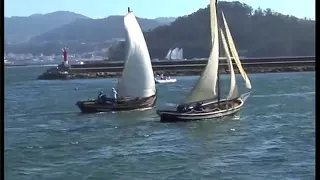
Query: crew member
x,y
102,97
114,94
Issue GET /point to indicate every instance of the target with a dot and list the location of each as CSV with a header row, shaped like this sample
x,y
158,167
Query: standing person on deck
x,y
161,76
114,92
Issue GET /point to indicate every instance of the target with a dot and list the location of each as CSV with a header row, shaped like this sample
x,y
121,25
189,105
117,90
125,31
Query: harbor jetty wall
x,y
107,69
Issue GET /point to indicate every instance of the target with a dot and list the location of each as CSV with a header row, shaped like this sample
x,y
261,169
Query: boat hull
x,y
93,106
175,116
163,81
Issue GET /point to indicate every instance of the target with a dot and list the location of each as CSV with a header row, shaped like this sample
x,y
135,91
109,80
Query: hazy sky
x,y
146,8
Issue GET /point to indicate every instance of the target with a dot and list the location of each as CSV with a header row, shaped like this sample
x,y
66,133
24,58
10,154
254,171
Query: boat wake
x,y
45,114
284,94
170,104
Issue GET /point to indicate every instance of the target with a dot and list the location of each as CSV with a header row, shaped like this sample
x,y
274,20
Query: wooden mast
x,y
218,74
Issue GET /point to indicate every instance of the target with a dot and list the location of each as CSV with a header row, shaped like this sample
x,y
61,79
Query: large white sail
x,y
233,91
205,87
235,54
168,54
137,77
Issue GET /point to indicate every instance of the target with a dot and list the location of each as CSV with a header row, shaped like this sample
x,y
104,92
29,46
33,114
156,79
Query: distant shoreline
x,y
29,65
96,75
181,68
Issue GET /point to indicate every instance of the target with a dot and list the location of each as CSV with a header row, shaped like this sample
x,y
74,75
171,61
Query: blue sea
x,y
46,136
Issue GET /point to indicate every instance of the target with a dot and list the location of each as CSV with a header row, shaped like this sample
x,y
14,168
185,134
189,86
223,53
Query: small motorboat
x,y
164,80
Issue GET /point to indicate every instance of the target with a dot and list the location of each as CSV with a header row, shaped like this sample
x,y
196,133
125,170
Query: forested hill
x,y
21,29
256,32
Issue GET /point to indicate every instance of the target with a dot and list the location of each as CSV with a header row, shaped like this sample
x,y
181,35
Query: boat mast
x,y
218,74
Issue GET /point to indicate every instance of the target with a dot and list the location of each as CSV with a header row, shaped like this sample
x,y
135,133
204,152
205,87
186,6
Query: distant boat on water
x,y
174,54
164,79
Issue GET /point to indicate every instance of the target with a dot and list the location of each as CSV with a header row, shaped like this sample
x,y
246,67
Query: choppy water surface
x,y
47,138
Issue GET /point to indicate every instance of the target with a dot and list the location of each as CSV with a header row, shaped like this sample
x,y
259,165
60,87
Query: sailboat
x,y
174,54
204,101
136,87
168,56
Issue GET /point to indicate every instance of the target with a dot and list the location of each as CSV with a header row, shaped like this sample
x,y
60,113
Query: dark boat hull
x,y
93,106
228,108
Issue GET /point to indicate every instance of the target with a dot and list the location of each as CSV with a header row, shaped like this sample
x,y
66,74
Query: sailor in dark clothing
x,y
184,108
198,106
102,97
181,108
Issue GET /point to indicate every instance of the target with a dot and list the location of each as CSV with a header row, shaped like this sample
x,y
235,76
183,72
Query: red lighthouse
x,y
65,56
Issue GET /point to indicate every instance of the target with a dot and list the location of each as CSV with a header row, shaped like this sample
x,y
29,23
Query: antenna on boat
x,y
128,9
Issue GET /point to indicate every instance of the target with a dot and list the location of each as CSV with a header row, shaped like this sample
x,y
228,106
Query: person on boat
x,y
100,94
161,76
182,108
198,106
102,97
114,94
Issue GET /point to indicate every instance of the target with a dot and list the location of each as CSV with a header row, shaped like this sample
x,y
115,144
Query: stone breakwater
x,y
179,71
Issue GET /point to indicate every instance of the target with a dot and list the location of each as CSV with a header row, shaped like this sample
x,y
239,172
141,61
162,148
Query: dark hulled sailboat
x,y
204,101
136,88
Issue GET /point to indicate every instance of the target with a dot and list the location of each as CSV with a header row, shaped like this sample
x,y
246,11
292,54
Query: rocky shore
x,y
69,74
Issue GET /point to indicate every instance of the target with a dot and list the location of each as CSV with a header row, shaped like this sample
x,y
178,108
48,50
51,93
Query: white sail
x,y
168,54
180,54
235,54
175,53
181,51
205,87
137,77
233,92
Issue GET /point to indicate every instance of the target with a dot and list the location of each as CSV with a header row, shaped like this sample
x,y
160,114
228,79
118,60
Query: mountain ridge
x,y
256,32
22,29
